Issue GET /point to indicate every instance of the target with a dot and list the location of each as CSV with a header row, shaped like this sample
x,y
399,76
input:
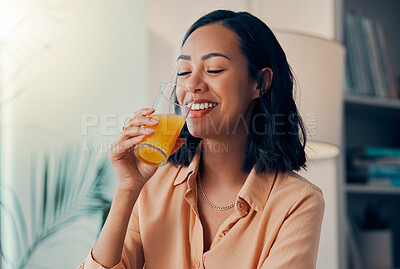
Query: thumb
x,y
179,143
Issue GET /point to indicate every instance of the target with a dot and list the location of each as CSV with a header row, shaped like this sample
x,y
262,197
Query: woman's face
x,y
214,69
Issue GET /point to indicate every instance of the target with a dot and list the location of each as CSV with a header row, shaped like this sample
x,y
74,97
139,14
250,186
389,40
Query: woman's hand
x,y
131,172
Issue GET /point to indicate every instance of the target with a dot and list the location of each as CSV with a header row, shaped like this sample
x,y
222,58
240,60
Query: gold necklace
x,y
220,208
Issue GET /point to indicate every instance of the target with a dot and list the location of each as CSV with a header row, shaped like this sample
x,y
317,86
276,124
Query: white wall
x,y
167,22
60,62
316,17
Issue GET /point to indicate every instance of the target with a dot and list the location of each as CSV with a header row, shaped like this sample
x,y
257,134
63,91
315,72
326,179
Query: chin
x,y
200,129
196,132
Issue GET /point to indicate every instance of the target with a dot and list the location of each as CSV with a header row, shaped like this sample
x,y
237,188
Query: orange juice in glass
x,y
171,106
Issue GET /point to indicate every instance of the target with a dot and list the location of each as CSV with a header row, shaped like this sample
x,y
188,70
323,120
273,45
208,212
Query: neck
x,y
223,158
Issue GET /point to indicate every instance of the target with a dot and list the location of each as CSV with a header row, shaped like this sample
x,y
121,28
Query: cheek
x,y
183,96
238,97
181,81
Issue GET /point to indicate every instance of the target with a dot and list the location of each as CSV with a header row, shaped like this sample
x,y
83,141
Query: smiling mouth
x,y
199,110
202,106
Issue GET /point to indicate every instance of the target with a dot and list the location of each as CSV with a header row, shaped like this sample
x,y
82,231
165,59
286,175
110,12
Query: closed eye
x,y
183,74
215,71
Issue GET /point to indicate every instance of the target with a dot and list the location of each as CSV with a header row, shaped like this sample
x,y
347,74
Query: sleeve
x,y
91,263
132,252
296,244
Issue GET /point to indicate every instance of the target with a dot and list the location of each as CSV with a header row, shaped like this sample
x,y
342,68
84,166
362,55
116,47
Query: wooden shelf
x,y
372,101
372,121
368,189
372,106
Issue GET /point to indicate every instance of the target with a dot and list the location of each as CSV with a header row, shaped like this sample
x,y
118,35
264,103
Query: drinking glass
x,y
172,106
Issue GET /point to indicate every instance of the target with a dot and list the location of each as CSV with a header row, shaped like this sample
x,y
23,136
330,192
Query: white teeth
x,y
203,106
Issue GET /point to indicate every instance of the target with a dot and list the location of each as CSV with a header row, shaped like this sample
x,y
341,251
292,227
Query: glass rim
x,y
189,104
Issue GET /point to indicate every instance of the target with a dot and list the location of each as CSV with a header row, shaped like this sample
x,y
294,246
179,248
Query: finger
x,y
136,131
143,112
131,132
140,113
141,121
179,143
118,149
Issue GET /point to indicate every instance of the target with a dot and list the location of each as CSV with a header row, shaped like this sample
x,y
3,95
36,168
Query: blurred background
x,y
72,72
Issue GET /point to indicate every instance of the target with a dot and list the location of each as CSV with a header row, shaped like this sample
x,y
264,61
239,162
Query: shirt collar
x,y
255,190
185,172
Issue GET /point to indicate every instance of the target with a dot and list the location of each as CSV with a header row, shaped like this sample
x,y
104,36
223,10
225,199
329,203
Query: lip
x,y
201,113
198,101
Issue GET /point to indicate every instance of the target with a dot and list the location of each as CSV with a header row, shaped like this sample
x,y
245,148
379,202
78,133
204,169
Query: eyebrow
x,y
204,57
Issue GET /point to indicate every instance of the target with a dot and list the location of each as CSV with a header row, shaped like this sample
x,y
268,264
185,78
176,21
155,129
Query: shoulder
x,y
291,191
164,177
294,183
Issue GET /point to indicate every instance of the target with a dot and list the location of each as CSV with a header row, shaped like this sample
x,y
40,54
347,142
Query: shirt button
x,y
197,263
221,235
240,206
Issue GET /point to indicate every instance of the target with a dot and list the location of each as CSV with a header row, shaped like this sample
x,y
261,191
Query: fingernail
x,y
149,130
155,120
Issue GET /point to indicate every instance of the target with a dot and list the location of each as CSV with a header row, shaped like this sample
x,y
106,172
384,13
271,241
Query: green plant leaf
x,y
71,186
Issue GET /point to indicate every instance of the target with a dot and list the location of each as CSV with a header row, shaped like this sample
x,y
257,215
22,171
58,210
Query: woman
x,y
228,198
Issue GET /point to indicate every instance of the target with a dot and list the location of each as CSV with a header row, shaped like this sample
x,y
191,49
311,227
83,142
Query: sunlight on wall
x,y
71,73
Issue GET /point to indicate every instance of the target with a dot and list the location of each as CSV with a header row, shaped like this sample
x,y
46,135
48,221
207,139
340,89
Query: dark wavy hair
x,y
270,146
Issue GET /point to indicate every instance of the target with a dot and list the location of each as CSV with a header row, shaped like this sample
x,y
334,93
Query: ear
x,y
264,80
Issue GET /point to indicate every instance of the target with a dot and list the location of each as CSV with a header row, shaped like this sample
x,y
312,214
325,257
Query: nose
x,y
195,83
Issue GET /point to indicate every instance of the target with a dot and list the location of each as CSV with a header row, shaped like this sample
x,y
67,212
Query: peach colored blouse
x,y
276,224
